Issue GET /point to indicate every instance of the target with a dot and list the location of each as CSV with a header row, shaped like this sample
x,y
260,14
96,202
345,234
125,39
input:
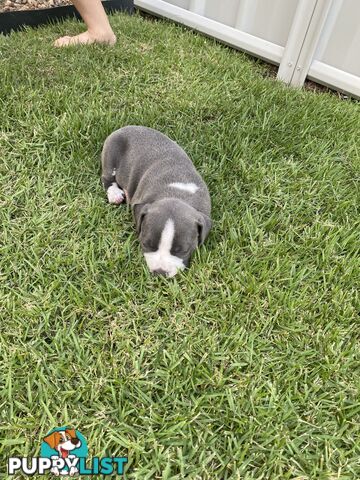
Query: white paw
x,y
55,471
115,194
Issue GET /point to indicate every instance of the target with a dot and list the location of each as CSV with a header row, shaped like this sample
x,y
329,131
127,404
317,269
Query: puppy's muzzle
x,y
75,441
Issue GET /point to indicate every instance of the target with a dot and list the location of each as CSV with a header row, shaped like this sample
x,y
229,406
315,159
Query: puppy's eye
x,y
150,246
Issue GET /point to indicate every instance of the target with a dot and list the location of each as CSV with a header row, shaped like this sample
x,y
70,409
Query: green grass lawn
x,y
247,365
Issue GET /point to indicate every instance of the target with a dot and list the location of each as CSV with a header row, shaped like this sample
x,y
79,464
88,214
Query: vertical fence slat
x,y
327,31
198,6
245,14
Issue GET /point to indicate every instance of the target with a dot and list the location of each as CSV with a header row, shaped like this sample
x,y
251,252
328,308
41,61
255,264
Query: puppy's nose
x,y
159,271
74,441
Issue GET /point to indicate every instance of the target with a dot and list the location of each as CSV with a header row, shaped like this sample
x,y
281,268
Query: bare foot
x,y
86,38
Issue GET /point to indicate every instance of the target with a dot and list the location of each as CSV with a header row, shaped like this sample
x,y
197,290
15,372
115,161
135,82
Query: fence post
x,y
303,39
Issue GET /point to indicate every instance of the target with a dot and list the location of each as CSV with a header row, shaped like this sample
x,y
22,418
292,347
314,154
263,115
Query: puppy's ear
x,y
53,439
140,210
204,226
71,432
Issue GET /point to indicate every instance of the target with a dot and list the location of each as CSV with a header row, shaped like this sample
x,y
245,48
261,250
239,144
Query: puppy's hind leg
x,y
114,149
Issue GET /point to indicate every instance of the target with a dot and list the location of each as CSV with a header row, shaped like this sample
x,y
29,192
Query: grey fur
x,y
144,162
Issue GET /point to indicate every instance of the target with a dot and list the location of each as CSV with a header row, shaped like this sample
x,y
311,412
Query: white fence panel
x,y
270,20
181,3
337,58
339,43
318,38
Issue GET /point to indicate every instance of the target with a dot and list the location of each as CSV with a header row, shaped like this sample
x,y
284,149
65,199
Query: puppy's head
x,y
169,232
63,441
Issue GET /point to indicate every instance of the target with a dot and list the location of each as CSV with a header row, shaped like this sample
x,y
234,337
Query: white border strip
x,y
334,78
231,36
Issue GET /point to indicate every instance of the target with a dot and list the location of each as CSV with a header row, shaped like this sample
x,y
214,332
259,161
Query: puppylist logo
x,y
64,452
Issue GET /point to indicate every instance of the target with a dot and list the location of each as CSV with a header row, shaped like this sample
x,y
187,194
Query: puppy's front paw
x,y
115,194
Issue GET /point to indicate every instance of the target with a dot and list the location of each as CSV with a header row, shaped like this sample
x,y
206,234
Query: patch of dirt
x,y
15,5
272,70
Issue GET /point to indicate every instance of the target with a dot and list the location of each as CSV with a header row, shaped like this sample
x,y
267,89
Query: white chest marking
x,y
187,187
162,258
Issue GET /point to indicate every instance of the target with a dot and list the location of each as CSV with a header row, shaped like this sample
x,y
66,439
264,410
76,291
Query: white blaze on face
x,y
162,258
186,187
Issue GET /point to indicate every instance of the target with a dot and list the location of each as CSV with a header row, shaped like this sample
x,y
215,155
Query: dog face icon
x,y
63,442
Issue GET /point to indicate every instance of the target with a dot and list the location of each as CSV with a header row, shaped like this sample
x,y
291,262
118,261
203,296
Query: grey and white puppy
x,y
170,201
